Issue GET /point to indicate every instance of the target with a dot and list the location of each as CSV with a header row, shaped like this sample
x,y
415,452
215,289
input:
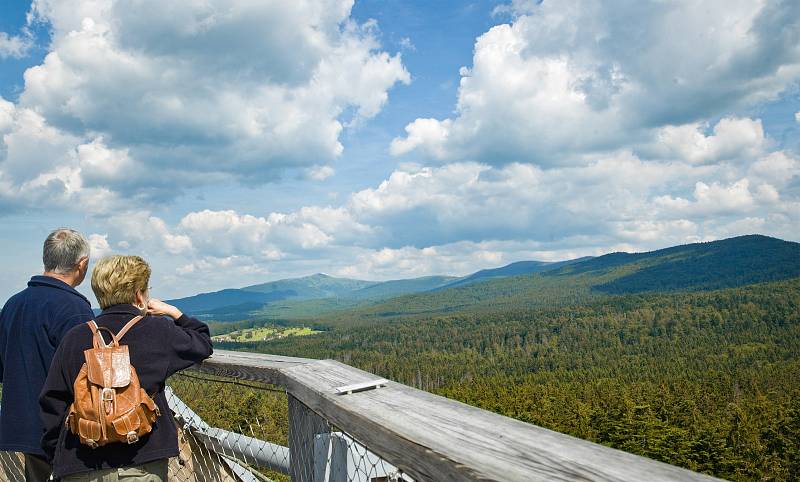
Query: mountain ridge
x,y
696,266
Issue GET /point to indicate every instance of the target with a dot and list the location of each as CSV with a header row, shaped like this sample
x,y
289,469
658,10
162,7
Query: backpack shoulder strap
x,y
97,337
128,326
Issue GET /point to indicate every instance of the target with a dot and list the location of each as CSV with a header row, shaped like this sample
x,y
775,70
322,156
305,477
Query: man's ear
x,y
83,264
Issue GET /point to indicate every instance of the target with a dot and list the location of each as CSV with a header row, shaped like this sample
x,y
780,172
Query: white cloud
x,y
99,246
320,173
209,92
141,230
797,117
569,78
100,165
224,232
45,167
777,168
717,198
465,216
407,44
427,134
578,129
15,46
739,139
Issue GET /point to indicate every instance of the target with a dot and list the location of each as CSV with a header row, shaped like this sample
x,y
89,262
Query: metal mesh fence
x,y
234,430
243,424
263,430
11,467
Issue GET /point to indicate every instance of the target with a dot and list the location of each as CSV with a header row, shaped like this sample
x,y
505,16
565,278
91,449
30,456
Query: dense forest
x,y
706,380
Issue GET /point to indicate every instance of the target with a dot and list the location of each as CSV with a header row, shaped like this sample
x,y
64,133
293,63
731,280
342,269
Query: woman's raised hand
x,y
159,308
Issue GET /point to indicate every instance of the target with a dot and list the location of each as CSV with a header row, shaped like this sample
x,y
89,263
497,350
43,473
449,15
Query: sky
x,y
233,142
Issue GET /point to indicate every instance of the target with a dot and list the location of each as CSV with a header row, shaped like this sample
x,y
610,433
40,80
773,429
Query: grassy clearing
x,y
264,333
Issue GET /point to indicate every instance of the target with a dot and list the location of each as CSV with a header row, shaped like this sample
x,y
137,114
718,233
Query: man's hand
x,y
159,308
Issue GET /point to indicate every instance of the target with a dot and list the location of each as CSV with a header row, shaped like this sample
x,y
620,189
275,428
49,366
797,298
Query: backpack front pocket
x,y
88,430
127,423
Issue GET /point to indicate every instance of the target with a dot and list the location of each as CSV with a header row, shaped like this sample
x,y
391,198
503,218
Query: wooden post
x,y
304,426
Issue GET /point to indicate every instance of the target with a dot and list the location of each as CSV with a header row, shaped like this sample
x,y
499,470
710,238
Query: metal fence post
x,y
304,426
330,458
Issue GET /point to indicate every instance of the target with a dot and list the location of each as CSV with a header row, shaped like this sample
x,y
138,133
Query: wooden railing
x,y
427,437
409,433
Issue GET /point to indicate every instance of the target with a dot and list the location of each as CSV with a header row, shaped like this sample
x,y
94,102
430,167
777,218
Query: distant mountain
x,y
701,266
513,269
311,287
228,297
694,267
250,301
387,289
230,312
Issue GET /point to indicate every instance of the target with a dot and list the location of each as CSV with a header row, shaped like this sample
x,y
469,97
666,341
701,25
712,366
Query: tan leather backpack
x,y
109,404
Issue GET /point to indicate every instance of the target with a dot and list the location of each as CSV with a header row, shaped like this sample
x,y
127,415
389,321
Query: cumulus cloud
x,y
310,228
737,139
140,229
565,79
226,90
460,217
15,46
41,166
578,129
99,246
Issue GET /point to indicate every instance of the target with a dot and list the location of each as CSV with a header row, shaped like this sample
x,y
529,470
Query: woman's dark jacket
x,y
158,348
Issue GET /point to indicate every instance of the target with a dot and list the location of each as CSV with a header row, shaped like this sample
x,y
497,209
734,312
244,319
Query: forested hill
x,y
706,380
718,264
513,269
693,267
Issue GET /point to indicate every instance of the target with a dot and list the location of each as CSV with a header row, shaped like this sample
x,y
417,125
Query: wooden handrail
x,y
433,438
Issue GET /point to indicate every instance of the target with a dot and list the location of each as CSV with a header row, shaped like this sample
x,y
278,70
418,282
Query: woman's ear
x,y
141,300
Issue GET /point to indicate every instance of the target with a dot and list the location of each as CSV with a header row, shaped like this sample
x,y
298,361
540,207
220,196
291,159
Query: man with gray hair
x,y
32,324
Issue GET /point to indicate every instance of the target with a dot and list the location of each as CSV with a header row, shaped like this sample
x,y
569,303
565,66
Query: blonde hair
x,y
117,279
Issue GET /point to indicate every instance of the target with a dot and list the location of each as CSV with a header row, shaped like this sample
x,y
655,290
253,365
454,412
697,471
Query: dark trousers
x,y
37,469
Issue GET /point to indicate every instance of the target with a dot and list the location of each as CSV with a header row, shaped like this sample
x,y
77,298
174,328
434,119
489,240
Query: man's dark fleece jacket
x,y
158,348
32,324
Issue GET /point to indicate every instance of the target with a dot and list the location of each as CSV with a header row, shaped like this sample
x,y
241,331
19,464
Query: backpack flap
x,y
108,367
127,425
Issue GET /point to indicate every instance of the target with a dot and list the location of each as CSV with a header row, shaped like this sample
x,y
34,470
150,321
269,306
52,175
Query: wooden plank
x,y
437,439
250,366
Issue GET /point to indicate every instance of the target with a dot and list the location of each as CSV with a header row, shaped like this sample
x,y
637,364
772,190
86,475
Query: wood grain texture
x,y
250,366
433,438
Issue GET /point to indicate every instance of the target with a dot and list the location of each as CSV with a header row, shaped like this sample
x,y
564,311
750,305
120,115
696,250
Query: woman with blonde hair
x,y
158,347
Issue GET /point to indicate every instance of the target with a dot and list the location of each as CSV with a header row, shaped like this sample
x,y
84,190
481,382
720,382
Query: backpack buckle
x,y
132,437
107,395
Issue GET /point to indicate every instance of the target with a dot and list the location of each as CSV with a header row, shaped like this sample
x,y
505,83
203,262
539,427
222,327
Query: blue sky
x,y
233,142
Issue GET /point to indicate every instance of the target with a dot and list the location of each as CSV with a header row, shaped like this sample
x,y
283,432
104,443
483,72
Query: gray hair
x,y
63,248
